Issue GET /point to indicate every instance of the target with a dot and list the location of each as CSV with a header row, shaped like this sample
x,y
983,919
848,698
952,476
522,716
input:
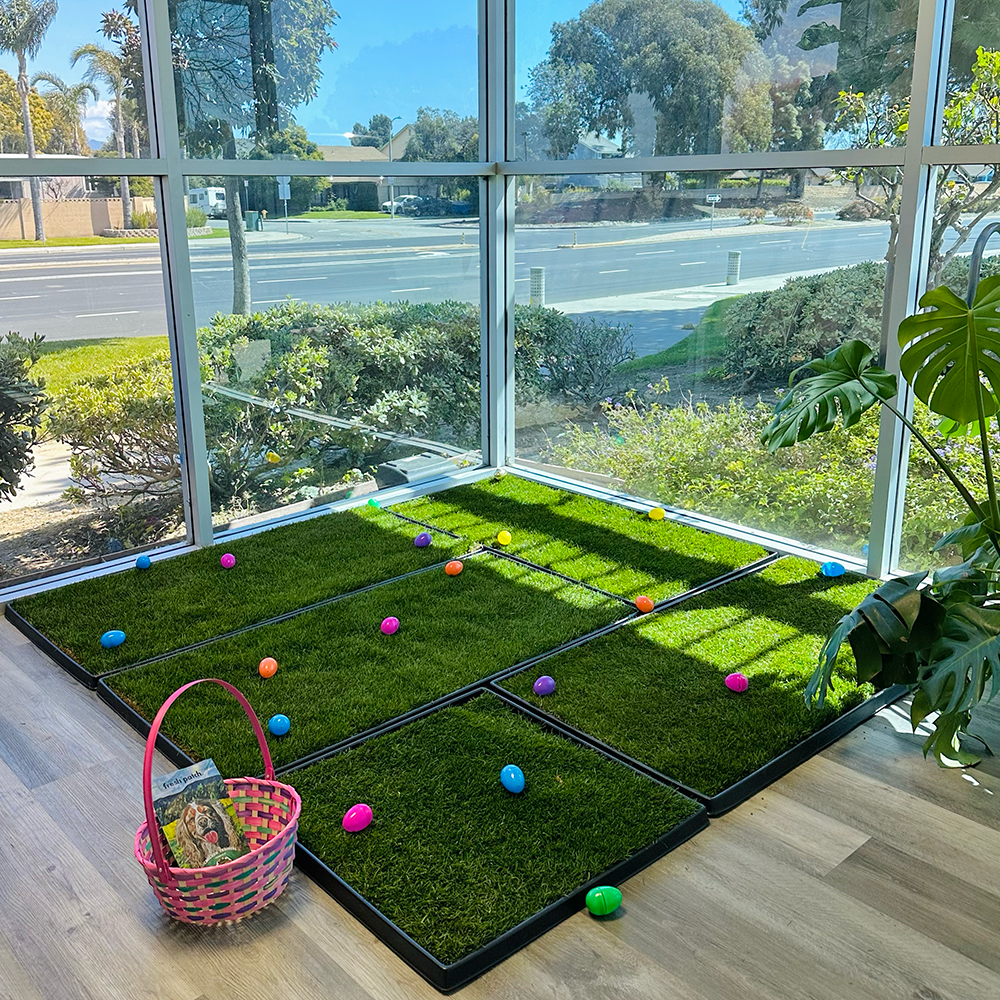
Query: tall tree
x,y
375,133
107,67
11,123
71,101
23,24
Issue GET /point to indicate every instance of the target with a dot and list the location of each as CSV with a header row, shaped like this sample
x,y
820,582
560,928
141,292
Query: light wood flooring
x,y
866,874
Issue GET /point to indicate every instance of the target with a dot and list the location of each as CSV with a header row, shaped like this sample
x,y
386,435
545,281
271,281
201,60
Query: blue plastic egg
x,y
512,778
279,725
143,562
832,569
113,638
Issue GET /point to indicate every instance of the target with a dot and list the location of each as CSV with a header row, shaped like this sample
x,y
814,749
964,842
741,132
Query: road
x,y
85,293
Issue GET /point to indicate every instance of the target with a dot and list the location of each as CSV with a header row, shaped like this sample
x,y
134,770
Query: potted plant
x,y
937,633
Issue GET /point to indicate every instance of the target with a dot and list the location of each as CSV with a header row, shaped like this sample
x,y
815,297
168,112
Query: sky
x,y
391,58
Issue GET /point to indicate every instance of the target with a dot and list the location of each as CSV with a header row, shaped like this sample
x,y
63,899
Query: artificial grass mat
x,y
189,598
599,543
452,858
338,675
655,690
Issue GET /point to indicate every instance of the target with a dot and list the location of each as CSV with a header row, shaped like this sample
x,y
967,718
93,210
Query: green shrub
x,y
859,211
22,401
144,220
753,215
195,218
363,197
337,204
583,356
794,211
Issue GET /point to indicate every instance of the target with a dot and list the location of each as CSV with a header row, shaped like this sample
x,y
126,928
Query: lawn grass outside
x,y
599,543
705,343
655,690
190,597
338,675
452,858
97,241
64,362
343,214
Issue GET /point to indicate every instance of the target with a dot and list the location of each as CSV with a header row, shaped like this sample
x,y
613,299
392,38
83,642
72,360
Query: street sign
x,y
713,199
283,191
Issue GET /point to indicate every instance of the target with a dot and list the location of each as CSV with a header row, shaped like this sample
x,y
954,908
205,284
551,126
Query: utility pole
x,y
392,195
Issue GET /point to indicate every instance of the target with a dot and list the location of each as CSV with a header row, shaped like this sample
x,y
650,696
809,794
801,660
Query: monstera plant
x,y
939,634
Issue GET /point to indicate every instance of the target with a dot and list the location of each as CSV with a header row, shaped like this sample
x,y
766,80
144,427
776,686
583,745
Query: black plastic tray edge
x,y
755,782
50,649
448,978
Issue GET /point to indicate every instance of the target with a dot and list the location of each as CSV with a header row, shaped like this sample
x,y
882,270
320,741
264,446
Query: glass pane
x,y
101,476
663,344
638,77
87,81
932,504
292,80
341,347
973,99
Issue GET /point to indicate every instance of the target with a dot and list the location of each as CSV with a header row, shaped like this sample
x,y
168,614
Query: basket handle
x,y
147,763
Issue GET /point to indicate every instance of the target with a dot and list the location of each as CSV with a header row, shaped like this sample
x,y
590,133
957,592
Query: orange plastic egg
x,y
644,604
454,567
268,666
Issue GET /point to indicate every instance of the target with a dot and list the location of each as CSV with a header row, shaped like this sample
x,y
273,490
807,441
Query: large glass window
x,y
340,348
676,306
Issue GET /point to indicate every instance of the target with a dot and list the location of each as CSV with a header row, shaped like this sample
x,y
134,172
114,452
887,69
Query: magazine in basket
x,y
197,816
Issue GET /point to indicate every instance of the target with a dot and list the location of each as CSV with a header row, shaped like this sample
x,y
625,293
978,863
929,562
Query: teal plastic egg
x,y
603,899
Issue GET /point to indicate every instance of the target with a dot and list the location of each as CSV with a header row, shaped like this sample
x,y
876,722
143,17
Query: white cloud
x,y
96,124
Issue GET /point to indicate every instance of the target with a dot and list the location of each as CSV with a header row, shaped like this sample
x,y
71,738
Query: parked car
x,y
433,206
406,203
459,208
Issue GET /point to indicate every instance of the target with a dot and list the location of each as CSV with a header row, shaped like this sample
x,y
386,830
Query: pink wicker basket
x,y
270,814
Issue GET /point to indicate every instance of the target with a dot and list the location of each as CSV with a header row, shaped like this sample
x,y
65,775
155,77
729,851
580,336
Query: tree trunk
x,y
238,244
135,139
34,183
123,181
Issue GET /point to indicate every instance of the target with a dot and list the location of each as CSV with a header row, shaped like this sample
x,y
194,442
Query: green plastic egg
x,y
603,899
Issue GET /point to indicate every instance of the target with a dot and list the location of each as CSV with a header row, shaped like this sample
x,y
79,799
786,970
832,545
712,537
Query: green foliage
x,y
22,402
375,133
753,215
582,358
195,218
859,211
443,136
144,220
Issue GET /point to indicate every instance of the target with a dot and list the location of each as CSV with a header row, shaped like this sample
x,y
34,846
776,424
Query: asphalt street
x,y
84,293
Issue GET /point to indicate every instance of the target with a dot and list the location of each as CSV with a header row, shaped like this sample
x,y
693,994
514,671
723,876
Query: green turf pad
x,y
191,597
452,858
655,691
602,544
338,675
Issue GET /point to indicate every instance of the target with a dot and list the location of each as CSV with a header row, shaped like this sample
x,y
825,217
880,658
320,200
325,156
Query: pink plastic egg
x,y
228,561
737,682
357,818
390,625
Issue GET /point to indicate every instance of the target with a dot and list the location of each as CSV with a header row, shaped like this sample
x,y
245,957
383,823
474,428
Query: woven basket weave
x,y
269,811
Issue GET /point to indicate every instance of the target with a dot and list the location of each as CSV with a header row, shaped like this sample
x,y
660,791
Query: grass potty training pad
x,y
656,690
338,675
454,860
189,598
599,543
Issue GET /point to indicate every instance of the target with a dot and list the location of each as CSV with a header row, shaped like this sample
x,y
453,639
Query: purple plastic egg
x,y
357,817
422,540
737,682
390,625
544,685
228,561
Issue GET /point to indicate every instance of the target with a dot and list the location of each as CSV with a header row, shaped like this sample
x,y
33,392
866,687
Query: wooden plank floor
x,y
866,874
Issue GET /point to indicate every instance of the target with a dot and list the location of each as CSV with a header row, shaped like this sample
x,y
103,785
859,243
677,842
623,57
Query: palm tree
x,y
71,99
108,68
23,24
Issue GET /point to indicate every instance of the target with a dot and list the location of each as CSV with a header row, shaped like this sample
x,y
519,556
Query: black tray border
x,y
448,978
49,648
755,782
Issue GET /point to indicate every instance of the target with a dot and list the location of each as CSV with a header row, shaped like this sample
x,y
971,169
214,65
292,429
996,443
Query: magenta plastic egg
x,y
737,682
228,561
390,625
357,817
544,685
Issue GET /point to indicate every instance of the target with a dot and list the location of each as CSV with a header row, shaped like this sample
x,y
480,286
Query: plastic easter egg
x,y
603,899
644,603
503,537
273,457
512,778
657,514
389,625
143,562
113,638
357,817
279,725
374,503
544,685
454,567
267,666
422,540
864,550
737,682
832,569
228,561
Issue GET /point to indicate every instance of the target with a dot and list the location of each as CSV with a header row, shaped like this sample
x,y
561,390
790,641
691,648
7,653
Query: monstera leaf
x,y
963,660
845,378
886,632
951,351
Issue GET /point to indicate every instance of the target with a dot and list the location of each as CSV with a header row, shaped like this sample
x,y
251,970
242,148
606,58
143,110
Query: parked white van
x,y
212,201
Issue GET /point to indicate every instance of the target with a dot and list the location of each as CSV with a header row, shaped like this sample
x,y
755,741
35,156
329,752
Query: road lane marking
x,y
10,298
650,253
96,274
281,281
393,291
764,243
617,270
129,312
691,263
